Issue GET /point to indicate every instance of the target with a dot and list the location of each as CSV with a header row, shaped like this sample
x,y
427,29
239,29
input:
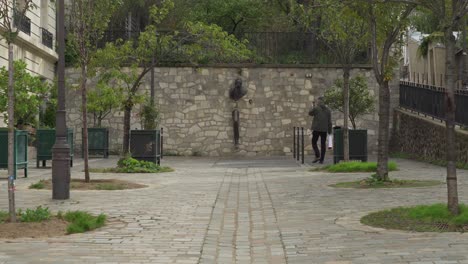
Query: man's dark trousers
x,y
323,140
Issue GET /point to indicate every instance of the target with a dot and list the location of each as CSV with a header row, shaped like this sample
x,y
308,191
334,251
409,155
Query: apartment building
x,y
36,41
430,68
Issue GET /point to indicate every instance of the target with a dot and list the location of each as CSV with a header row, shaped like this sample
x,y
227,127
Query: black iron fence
x,y
430,100
268,47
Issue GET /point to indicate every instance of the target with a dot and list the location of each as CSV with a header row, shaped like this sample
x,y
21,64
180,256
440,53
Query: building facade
x,y
430,68
36,41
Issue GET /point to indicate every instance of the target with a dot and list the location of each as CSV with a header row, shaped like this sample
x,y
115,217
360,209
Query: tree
x,y
361,101
451,14
198,43
11,15
236,16
29,93
89,20
346,32
103,99
387,21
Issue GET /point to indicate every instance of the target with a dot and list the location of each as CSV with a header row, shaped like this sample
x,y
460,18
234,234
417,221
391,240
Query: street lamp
x,y
61,150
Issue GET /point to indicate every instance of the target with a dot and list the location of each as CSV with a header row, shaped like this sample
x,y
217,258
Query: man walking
x,y
321,125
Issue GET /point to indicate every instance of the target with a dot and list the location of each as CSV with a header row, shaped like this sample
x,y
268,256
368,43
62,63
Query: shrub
x,y
38,215
81,221
39,185
131,165
3,216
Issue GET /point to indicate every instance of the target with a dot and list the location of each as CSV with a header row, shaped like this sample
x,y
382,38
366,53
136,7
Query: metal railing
x,y
22,22
298,144
47,38
430,101
268,47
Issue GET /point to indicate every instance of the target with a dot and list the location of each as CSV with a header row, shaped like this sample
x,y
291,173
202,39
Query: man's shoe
x,y
321,162
315,160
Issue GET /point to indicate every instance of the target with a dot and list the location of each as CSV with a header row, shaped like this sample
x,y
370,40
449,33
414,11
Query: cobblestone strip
x,y
243,227
272,230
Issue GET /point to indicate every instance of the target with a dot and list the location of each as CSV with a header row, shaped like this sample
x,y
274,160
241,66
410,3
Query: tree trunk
x,y
346,74
126,138
452,190
384,123
84,78
11,135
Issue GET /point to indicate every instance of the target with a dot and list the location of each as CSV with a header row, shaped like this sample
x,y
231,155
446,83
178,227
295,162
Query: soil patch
x,y
365,184
100,184
50,228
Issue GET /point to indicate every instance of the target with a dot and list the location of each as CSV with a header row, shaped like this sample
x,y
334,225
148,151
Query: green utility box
x,y
20,160
45,140
146,145
357,144
98,142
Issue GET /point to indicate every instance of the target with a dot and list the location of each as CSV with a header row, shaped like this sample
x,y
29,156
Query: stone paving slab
x,y
268,210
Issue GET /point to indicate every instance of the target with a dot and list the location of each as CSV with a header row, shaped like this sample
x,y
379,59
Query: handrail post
x,y
297,154
294,142
162,142
302,145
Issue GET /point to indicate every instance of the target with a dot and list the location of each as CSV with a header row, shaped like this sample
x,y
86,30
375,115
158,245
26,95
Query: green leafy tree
x,y
11,12
361,101
103,99
387,22
346,33
48,118
199,43
30,92
90,18
237,16
451,15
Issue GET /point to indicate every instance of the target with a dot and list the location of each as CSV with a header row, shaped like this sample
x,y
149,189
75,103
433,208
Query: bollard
x,y
297,148
162,141
302,145
294,142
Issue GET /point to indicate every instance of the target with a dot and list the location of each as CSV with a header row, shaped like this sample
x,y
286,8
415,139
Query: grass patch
x,y
131,165
423,218
356,166
421,158
39,185
34,215
81,222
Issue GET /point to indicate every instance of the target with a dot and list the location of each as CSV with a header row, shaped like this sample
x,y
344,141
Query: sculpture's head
x,y
237,91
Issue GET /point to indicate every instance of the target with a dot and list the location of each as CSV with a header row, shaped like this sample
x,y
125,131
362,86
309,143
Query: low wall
x,y
424,137
196,109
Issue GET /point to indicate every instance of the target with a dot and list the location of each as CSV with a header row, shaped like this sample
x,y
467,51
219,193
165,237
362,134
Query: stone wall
x,y
424,137
196,110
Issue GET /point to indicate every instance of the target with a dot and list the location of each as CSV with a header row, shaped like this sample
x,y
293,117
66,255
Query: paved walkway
x,y
266,210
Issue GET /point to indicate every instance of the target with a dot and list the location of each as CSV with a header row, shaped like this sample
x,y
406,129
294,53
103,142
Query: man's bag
x,y
330,141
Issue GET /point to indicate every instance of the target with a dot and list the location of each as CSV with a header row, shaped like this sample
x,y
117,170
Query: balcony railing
x,y
47,38
22,22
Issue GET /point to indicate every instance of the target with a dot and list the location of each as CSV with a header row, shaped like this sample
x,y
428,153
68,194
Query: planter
x,y
45,140
98,142
20,149
357,145
146,145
